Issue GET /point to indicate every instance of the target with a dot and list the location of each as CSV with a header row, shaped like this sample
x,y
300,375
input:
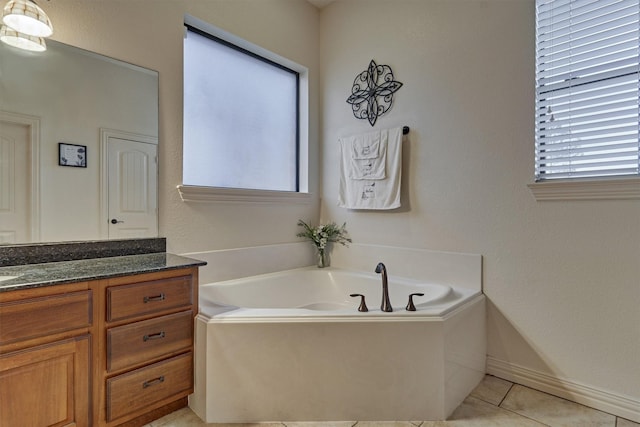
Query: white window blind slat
x,y
629,107
592,155
608,90
587,96
585,145
578,130
627,147
592,143
572,45
621,130
594,74
584,165
545,41
590,174
574,61
574,126
603,89
576,19
545,9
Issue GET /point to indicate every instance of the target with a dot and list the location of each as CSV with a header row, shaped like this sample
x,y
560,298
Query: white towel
x,y
368,168
372,193
368,155
365,146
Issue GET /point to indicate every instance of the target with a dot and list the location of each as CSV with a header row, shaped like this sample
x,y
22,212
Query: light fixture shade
x,y
24,16
22,41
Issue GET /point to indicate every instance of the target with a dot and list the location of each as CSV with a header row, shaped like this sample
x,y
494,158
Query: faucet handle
x,y
410,305
363,305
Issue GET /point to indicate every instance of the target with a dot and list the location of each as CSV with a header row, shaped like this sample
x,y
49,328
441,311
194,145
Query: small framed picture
x,y
72,155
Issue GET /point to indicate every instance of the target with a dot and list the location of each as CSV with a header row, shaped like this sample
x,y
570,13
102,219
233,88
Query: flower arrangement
x,y
322,235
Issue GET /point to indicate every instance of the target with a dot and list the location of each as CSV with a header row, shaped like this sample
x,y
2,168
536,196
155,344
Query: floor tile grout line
x,y
499,405
526,416
508,410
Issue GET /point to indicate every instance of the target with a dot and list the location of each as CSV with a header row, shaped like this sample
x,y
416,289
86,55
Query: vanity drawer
x,y
43,316
138,342
143,387
127,301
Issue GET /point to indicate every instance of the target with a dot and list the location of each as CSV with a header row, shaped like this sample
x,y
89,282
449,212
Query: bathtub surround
x,y
318,364
227,264
331,371
454,269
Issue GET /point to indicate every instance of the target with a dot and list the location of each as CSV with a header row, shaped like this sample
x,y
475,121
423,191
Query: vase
x,y
323,259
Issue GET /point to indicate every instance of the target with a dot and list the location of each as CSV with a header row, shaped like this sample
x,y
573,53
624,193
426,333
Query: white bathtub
x,y
296,295
291,346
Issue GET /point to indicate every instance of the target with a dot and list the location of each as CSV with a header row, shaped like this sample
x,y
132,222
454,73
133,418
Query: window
x,y
587,109
241,116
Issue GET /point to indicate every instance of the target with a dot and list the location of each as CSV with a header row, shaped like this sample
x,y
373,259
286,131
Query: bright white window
x,y
587,109
241,117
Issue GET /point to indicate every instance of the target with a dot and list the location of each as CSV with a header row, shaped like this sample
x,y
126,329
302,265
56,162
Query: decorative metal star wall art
x,y
372,92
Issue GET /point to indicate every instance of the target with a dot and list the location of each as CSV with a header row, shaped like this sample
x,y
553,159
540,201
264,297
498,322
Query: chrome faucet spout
x,y
386,304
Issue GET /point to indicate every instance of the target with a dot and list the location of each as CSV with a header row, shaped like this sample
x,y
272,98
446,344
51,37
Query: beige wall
x,y
149,33
563,278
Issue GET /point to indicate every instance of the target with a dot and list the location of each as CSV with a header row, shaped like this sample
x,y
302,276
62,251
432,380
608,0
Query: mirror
x,y
102,181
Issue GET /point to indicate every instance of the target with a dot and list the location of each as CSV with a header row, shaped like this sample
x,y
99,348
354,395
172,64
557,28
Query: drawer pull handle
x,y
153,381
153,336
153,298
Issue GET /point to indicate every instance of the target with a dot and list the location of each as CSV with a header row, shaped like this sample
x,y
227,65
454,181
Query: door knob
x,y
115,221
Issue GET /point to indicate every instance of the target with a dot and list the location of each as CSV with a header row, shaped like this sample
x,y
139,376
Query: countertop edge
x,y
31,276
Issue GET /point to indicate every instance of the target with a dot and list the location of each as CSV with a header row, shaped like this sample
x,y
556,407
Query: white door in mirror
x,y
132,188
15,175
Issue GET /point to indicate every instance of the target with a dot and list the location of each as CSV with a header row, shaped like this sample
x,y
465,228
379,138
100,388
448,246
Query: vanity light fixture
x,y
24,16
22,41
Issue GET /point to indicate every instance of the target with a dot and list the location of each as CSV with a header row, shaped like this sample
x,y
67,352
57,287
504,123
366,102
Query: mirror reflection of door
x,y
15,183
132,187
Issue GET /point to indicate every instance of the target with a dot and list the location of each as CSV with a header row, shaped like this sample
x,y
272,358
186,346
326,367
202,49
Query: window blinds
x,y
587,87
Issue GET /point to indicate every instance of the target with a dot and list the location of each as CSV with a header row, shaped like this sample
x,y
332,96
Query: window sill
x,y
193,193
600,189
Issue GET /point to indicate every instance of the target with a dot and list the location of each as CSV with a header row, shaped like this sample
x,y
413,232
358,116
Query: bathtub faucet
x,y
386,304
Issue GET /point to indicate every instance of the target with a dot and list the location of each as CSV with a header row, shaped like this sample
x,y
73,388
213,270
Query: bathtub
x,y
295,295
292,346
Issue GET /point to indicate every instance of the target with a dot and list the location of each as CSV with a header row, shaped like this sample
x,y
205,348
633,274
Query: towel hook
x,y
405,130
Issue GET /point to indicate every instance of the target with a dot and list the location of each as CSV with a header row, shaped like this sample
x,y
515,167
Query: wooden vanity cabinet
x,y
146,345
45,347
103,353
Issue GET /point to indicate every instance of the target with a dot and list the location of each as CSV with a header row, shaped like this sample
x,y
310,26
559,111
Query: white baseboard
x,y
620,405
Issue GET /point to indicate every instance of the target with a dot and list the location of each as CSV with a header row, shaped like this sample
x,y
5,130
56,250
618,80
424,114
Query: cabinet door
x,y
46,385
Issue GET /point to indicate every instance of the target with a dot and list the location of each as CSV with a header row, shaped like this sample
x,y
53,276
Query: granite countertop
x,y
54,273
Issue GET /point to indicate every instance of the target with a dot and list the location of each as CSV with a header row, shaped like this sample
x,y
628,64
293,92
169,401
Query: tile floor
x,y
494,403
